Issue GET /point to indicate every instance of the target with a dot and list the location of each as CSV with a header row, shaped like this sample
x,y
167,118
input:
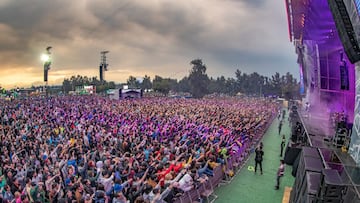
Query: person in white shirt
x,y
186,183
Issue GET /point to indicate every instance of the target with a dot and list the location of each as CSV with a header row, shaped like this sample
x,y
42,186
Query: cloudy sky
x,y
153,37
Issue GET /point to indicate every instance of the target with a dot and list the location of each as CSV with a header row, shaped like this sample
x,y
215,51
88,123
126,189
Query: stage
x,y
316,152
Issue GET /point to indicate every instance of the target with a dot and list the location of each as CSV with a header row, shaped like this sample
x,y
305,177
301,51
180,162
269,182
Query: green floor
x,y
249,187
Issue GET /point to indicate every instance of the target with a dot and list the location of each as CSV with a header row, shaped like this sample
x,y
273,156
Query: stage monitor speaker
x,y
344,78
345,29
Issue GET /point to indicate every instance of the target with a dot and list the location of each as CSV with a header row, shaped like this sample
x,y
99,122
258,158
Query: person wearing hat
x,y
117,188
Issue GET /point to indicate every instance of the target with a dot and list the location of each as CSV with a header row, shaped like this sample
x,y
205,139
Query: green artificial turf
x,y
249,187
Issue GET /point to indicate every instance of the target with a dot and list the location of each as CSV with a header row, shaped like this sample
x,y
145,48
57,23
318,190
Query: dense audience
x,y
91,149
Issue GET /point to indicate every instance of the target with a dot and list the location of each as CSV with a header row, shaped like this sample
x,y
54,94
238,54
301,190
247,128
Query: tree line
x,y
199,84
70,84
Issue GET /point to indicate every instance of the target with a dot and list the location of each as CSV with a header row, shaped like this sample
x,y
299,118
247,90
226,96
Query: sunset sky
x,y
153,37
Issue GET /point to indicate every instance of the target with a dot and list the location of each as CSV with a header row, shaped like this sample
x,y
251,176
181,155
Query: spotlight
x,y
45,58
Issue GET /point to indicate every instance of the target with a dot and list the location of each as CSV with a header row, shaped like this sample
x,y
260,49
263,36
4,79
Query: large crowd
x,y
92,149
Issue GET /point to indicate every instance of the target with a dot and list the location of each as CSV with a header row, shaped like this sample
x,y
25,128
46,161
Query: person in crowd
x,y
279,174
92,149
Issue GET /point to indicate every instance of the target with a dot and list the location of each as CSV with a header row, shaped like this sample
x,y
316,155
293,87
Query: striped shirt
x,y
281,170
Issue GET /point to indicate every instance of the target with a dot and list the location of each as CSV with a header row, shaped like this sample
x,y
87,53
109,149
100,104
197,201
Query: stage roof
x,y
311,20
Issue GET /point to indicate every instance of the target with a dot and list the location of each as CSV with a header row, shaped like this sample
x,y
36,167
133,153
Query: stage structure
x,y
118,94
326,35
326,39
353,8
85,90
103,65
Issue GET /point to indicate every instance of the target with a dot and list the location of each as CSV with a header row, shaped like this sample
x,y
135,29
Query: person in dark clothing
x,y
282,145
259,153
280,125
279,174
283,114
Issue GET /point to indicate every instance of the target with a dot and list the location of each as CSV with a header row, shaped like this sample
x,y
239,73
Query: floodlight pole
x,y
47,63
103,65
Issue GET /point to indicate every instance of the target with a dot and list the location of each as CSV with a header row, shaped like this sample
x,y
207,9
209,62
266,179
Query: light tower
x,y
46,59
103,65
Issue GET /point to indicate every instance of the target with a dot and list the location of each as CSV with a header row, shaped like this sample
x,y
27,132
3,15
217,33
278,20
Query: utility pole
x,y
103,65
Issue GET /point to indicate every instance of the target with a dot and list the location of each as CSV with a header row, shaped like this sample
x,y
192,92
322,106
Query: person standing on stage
x,y
280,173
282,145
259,153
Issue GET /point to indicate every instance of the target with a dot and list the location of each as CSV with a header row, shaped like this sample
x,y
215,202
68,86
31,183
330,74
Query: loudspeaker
x,y
344,78
345,29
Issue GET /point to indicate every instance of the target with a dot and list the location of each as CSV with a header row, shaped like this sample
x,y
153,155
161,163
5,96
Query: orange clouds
x,y
153,37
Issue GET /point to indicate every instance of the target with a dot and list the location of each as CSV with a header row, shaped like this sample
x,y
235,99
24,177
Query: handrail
x,y
322,158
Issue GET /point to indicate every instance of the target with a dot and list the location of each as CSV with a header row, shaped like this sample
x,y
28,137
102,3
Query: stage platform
x,y
318,136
